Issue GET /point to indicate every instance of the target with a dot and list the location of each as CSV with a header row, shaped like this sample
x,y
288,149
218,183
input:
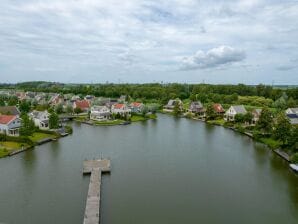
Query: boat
x,y
294,167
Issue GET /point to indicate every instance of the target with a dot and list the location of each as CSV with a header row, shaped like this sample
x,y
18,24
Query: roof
x,y
119,106
9,110
240,109
196,104
292,116
83,104
40,115
257,111
218,108
136,104
6,119
294,110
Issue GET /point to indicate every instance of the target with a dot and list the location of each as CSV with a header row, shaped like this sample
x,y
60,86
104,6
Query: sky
x,y
140,41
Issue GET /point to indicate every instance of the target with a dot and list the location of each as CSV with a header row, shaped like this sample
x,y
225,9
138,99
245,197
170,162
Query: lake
x,y
165,171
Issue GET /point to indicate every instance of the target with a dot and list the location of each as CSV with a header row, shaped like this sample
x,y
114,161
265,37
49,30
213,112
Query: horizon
x,y
216,42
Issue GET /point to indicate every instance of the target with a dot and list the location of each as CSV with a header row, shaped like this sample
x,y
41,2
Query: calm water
x,y
166,171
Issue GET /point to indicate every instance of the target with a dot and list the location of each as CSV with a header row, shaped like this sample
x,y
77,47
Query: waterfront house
x,y
10,125
40,119
196,107
100,113
9,110
84,105
256,113
218,109
293,118
233,111
171,105
136,107
292,111
56,99
292,115
121,109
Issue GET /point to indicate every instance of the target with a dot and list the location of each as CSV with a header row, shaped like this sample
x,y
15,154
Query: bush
x,y
294,158
21,139
68,129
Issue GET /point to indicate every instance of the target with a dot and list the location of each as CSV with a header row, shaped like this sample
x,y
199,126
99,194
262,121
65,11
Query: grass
x,y
272,143
135,118
217,122
37,136
108,123
8,147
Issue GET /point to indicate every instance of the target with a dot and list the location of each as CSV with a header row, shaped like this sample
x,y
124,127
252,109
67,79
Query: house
x,y
40,119
292,111
56,99
293,118
171,105
136,107
196,107
122,99
121,109
84,105
256,113
218,109
292,115
100,113
10,125
9,110
233,111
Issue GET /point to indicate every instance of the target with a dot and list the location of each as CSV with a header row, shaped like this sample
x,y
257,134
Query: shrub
x,y
294,158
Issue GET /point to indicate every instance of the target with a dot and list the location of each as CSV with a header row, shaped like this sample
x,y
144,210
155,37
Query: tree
x,y
27,125
24,106
239,118
282,128
59,109
177,108
77,110
265,121
69,109
293,139
53,121
210,113
247,117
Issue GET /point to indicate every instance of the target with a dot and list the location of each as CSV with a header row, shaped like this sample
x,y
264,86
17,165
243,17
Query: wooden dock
x,y
96,168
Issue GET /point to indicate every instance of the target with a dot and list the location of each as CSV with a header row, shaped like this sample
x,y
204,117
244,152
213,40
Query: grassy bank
x,y
108,122
38,136
8,147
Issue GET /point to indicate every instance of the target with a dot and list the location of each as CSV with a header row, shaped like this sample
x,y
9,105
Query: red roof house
x,y
218,108
84,105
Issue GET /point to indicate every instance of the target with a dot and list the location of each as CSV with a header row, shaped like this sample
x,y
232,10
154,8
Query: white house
x,y
233,110
171,105
292,115
10,125
292,111
120,108
100,113
40,119
137,107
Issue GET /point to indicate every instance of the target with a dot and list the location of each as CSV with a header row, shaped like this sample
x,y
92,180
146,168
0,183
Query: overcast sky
x,y
228,41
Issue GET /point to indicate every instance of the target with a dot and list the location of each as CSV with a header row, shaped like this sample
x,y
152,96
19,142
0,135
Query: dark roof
x,y
9,110
292,116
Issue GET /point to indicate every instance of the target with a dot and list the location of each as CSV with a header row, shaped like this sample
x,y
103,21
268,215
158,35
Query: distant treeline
x,y
157,91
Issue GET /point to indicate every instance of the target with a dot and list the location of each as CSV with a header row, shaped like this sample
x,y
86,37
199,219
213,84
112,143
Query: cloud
x,y
286,67
214,57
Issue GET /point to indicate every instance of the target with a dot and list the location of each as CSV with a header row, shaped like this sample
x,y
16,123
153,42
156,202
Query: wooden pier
x,y
96,168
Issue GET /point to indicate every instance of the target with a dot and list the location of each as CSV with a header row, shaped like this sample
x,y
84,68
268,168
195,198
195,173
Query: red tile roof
x,y
218,108
5,119
119,106
136,104
82,104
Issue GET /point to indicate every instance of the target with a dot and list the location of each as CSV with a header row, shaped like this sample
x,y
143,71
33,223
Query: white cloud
x,y
214,57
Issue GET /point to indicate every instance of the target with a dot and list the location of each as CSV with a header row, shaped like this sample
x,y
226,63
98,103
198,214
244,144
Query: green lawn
x,y
272,143
37,136
135,118
108,123
217,122
8,147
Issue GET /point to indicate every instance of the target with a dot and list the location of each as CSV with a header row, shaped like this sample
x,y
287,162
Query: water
x,y
165,171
